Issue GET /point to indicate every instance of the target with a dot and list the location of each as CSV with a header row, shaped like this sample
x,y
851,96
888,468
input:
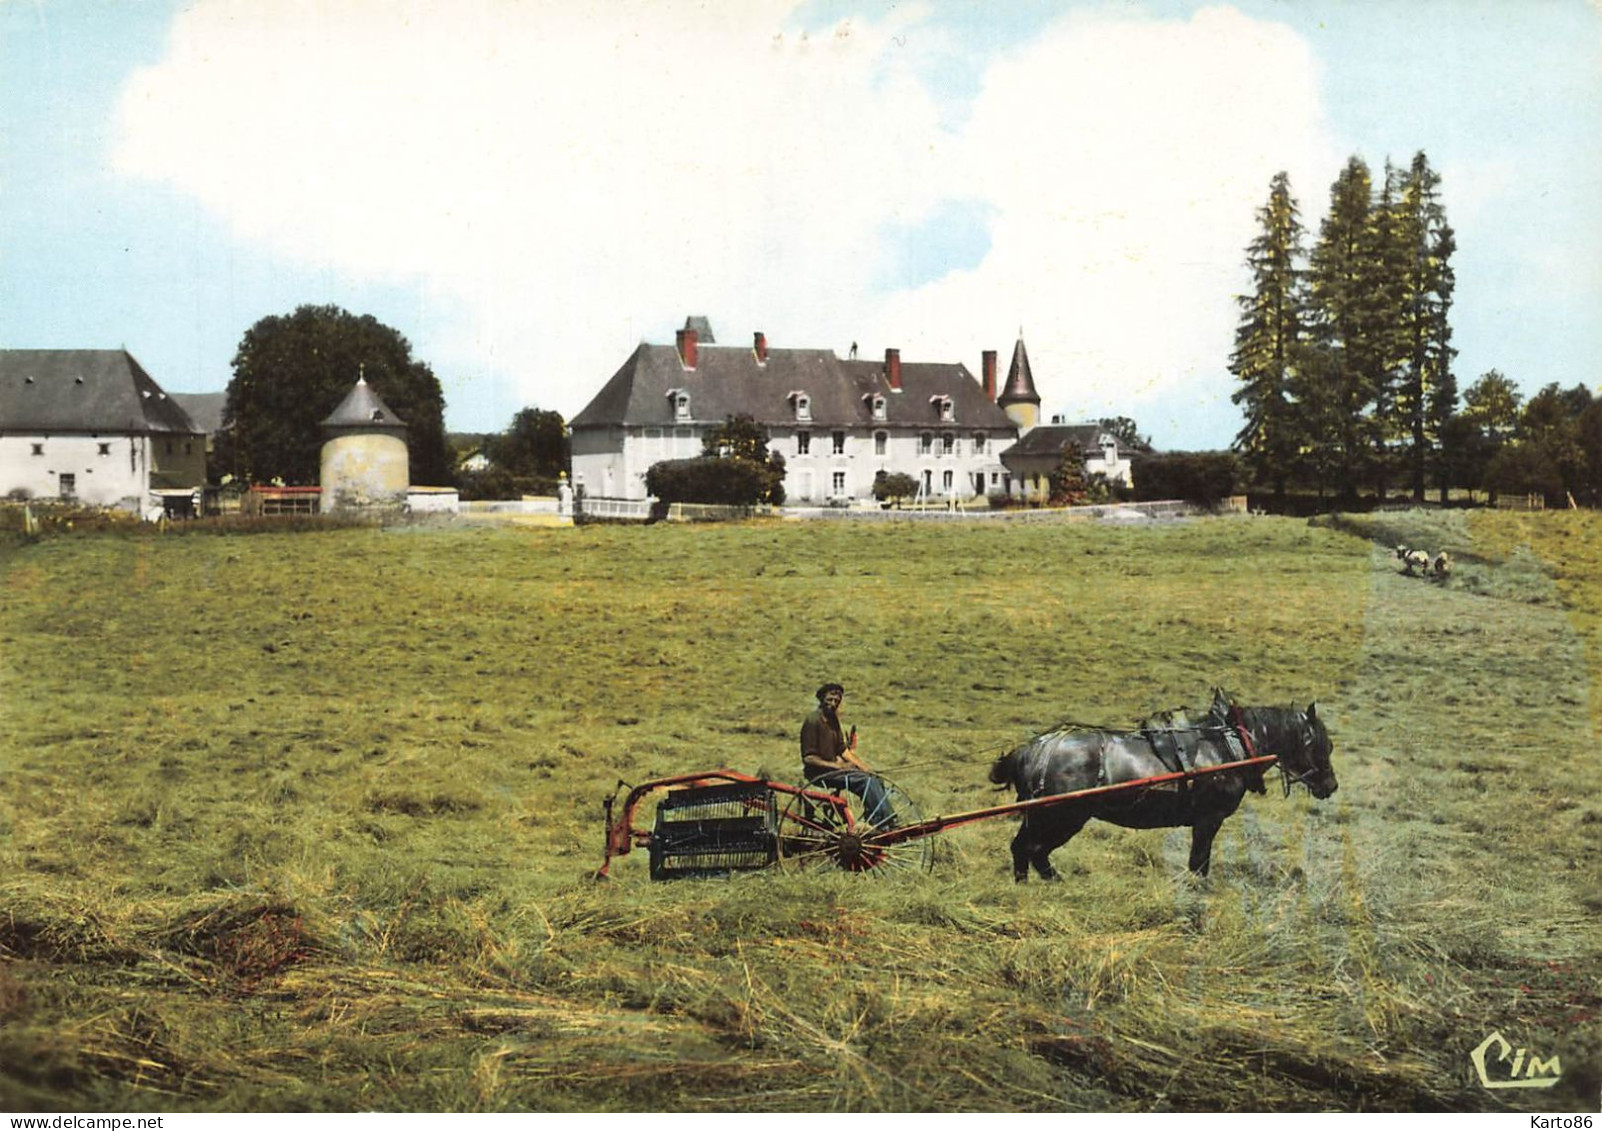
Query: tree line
x,y
1344,359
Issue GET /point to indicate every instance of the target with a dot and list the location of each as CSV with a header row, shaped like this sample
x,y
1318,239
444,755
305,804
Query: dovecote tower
x,y
365,462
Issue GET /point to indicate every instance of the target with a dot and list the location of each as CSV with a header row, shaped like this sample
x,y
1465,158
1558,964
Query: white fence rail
x,y
618,510
704,512
639,510
1107,512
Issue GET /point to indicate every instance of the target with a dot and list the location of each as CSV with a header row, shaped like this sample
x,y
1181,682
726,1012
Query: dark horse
x,y
1063,761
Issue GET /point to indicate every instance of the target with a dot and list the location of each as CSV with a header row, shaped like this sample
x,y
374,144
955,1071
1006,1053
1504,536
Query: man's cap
x,y
828,687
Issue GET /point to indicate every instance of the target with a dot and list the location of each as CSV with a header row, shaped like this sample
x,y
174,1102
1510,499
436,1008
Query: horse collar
x,y
1237,718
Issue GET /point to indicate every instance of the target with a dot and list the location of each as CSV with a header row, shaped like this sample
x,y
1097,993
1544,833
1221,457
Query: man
x,y
829,759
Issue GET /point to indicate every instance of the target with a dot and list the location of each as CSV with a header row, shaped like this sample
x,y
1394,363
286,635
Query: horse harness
x,y
1176,741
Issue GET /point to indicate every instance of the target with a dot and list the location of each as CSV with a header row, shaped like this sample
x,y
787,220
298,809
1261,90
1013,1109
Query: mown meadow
x,y
308,820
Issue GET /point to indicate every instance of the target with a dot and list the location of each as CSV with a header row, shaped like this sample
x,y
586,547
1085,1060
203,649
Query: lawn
x,y
308,820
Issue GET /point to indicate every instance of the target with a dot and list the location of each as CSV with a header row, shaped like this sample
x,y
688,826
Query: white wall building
x,y
837,422
92,426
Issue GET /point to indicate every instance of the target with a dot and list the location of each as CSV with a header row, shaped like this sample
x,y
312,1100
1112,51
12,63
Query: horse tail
x,y
1001,769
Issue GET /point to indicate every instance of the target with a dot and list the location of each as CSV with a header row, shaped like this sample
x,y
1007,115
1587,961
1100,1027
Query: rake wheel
x,y
814,834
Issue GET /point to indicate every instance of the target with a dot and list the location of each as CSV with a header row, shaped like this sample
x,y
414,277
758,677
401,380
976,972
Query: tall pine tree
x,y
1268,341
1346,312
1423,281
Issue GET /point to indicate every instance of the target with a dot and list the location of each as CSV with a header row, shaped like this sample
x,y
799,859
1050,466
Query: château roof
x,y
732,381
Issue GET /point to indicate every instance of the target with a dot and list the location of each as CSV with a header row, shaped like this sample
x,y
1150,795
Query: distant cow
x,y
1442,565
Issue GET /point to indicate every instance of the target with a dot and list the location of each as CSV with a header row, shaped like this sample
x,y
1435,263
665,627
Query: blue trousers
x,y
875,801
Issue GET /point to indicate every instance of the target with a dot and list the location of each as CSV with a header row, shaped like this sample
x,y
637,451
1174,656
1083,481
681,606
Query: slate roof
x,y
729,381
1051,439
95,391
702,325
205,409
1020,384
363,408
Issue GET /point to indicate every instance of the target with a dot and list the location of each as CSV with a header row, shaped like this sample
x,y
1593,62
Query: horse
x,y
1066,760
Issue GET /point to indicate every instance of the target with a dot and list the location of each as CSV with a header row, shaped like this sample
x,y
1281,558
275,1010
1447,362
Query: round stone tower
x,y
365,464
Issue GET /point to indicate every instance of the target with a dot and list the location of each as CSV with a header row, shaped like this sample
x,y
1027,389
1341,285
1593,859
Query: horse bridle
x,y
1287,776
1290,777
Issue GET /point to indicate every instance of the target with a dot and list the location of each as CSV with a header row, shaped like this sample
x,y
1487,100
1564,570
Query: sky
x,y
527,190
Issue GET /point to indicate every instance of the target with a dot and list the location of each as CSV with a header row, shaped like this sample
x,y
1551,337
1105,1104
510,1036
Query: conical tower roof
x,y
363,408
1020,385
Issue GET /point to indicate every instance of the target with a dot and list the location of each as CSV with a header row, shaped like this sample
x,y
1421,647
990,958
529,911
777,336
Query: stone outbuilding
x,y
365,461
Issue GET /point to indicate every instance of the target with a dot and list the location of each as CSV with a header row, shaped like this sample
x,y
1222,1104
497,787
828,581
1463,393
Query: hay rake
x,y
723,821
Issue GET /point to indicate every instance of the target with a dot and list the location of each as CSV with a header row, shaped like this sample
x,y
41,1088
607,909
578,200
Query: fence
x,y
614,510
282,500
706,512
1108,512
1521,502
640,510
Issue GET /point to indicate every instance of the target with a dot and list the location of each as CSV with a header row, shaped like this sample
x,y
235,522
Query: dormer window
x,y
680,400
876,405
943,406
803,405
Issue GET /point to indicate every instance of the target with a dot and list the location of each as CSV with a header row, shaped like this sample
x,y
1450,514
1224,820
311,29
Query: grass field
x,y
308,820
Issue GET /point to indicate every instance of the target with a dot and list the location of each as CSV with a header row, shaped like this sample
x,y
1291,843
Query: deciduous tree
x,y
291,371
536,444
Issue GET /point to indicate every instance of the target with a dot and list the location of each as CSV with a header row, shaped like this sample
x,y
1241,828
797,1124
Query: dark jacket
x,y
822,743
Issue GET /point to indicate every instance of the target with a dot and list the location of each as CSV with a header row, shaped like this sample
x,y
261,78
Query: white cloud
x,y
580,177
1125,160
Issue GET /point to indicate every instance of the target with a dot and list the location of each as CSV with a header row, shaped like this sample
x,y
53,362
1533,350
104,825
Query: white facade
x,y
1110,464
98,470
830,465
822,464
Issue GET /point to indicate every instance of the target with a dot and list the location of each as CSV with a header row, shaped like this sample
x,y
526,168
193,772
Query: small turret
x,y
1018,398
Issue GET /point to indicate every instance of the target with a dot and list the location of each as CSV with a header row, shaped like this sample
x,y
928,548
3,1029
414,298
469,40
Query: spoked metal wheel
x,y
836,833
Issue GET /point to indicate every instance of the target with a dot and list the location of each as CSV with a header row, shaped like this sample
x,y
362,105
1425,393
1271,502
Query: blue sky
x,y
526,191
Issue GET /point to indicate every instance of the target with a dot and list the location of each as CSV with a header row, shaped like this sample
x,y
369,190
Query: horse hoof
x,y
1020,877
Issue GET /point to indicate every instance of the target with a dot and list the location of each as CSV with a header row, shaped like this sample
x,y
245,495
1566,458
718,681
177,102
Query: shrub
x,y
500,483
898,485
709,479
1197,477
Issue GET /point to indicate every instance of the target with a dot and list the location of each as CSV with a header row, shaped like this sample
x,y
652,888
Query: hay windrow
x,y
319,832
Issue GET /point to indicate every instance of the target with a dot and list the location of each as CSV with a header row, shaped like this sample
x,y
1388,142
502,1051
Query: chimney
x,y
687,343
988,367
760,345
892,369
